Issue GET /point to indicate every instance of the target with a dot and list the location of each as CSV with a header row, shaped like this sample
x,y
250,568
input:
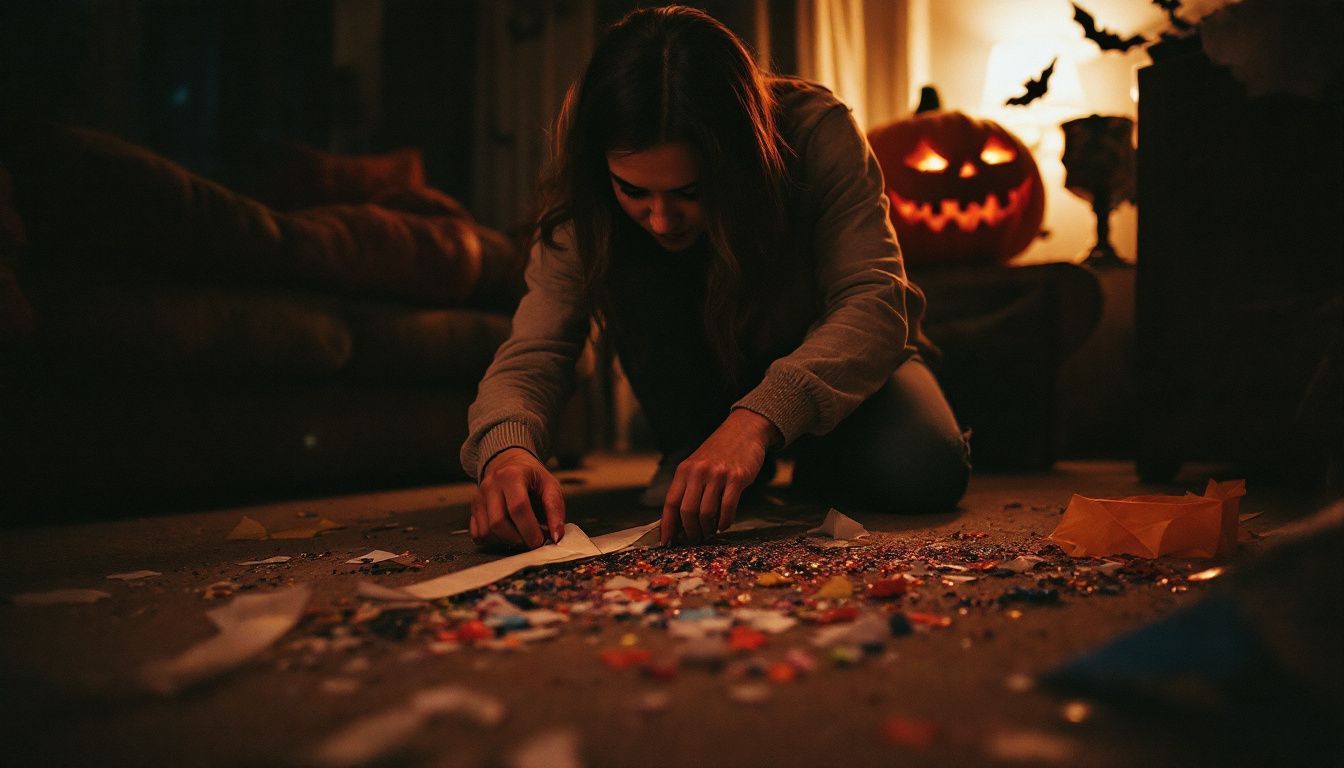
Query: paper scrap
x,y
837,588
322,526
690,584
249,530
622,582
247,626
574,545
1021,563
268,561
838,525
871,628
557,748
376,736
765,620
376,556
133,575
60,597
1152,526
1035,747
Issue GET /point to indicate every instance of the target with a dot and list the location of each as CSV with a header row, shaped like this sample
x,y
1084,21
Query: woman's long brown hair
x,y
676,74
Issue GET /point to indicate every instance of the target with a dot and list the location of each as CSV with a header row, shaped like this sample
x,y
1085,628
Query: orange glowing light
x,y
926,159
966,216
967,170
997,152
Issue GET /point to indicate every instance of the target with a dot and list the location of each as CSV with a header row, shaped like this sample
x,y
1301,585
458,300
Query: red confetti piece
x,y
837,615
929,619
624,658
474,630
909,732
781,672
745,639
888,587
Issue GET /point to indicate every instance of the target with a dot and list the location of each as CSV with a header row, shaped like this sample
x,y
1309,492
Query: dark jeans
x,y
900,451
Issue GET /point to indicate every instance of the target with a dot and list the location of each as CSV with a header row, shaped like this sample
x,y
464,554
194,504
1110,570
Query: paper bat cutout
x,y
1171,7
1035,88
1105,39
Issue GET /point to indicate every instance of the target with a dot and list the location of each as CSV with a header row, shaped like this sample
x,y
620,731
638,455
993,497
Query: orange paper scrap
x,y
1152,526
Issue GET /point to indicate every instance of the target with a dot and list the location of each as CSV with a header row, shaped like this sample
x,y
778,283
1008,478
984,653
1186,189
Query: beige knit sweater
x,y
850,320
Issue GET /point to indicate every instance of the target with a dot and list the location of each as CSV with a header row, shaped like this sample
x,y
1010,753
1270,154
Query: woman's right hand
x,y
504,508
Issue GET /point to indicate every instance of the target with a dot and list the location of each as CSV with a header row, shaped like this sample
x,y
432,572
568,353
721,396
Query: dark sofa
x,y
168,341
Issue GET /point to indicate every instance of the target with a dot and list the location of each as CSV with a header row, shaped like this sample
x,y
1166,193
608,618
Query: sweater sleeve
x,y
533,371
864,331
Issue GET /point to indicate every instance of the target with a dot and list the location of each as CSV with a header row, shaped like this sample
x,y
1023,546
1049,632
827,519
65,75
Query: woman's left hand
x,y
708,484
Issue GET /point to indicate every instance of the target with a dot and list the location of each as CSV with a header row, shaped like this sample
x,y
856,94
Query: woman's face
x,y
659,188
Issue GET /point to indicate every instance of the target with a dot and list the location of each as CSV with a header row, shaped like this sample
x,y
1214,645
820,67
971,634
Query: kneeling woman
x,y
729,231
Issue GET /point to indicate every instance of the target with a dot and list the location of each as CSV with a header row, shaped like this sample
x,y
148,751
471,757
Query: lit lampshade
x,y
1011,64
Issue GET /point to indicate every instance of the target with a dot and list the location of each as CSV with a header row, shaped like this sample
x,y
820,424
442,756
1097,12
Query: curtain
x,y
529,53
869,52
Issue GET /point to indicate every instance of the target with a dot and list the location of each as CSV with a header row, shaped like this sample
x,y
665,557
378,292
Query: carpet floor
x,y
955,681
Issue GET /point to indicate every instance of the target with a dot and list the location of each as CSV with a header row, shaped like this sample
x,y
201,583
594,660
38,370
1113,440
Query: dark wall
x,y
207,82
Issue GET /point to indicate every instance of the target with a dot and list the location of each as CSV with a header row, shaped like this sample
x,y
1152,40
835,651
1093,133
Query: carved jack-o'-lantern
x,y
962,190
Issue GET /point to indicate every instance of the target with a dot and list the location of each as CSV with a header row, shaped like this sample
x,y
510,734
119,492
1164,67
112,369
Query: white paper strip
x,y
370,738
574,545
133,575
60,597
247,626
376,556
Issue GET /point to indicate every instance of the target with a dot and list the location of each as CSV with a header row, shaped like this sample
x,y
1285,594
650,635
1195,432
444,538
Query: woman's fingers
x,y
672,509
732,494
710,502
553,501
521,518
498,527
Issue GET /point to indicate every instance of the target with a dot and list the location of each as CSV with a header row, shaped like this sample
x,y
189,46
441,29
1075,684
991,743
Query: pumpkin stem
x,y
929,101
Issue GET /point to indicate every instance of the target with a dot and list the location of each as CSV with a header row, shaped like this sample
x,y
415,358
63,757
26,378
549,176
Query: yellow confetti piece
x,y
248,529
837,588
771,579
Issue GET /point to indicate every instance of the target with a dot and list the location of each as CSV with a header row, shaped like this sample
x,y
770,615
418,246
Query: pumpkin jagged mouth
x,y
988,212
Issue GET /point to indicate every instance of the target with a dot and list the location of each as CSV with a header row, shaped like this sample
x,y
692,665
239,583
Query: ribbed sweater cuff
x,y
502,436
788,408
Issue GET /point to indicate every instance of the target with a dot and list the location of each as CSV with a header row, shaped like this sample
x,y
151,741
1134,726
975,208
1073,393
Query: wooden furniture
x,y
1238,295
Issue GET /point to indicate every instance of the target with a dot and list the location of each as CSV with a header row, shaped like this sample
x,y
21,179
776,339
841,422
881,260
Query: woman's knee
x,y
928,481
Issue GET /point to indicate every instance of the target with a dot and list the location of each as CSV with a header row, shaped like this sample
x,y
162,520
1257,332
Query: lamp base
x,y
1103,255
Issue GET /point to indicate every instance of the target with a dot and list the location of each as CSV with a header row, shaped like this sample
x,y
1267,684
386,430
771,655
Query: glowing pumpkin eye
x,y
996,152
925,159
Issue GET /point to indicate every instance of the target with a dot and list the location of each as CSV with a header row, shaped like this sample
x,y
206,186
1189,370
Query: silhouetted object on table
x,y
1099,167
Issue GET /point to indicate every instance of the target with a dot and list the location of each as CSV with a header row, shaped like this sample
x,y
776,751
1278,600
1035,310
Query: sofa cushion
x,y
404,344
296,176
90,200
141,328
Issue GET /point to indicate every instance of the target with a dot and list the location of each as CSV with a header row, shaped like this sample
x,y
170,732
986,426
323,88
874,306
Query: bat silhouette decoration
x,y
1036,87
1171,7
1105,39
